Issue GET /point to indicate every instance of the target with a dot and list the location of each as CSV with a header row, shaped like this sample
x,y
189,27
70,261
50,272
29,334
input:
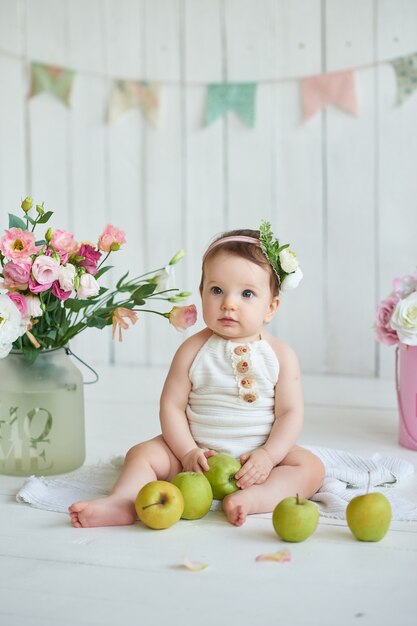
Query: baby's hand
x,y
256,467
196,460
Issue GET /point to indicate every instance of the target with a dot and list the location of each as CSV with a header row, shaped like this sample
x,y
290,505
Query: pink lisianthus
x,y
182,317
36,287
45,269
111,239
18,245
58,292
384,332
20,302
119,316
91,258
16,275
63,256
64,241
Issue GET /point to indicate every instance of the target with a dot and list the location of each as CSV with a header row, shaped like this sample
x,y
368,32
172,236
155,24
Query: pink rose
x,y
63,241
385,334
405,285
182,317
20,302
91,258
18,245
16,275
111,239
58,292
45,269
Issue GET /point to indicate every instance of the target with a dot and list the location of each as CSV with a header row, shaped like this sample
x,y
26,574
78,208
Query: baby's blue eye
x,y
247,293
216,291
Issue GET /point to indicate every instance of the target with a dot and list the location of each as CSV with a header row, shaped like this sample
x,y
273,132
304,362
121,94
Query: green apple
x,y
369,516
221,475
295,519
197,494
159,504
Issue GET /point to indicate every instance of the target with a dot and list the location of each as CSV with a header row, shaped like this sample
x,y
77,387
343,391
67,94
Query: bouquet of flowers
x,y
396,316
50,291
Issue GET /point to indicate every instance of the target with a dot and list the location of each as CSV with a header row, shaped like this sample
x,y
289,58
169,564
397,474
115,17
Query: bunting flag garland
x,y
336,88
128,94
237,97
406,73
55,80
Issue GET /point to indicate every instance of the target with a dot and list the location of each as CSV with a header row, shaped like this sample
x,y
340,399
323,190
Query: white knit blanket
x,y
346,477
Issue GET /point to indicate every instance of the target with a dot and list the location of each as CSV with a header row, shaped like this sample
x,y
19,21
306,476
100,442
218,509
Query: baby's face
x,y
236,297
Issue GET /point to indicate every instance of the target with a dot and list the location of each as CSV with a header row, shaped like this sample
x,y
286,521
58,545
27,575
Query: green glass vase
x,y
41,414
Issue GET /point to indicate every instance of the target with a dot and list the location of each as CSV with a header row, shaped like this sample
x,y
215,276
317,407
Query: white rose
x,y
288,260
404,320
33,305
88,286
292,280
11,326
66,277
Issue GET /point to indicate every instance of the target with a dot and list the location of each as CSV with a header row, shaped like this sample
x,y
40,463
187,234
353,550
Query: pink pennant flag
x,y
336,88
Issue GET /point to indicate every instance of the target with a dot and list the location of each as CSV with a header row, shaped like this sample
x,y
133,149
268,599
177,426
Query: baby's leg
x,y
151,460
300,472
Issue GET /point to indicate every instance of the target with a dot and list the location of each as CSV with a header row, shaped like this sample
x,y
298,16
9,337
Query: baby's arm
x,y
174,400
289,415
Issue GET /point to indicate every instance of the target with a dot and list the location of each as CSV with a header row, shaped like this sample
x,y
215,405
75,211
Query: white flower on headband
x,y
291,281
288,260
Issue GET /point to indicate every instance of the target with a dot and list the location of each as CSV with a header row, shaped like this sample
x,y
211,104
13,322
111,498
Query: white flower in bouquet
x,y
11,327
404,319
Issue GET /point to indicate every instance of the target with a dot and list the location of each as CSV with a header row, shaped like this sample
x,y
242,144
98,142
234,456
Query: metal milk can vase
x,y
41,414
406,382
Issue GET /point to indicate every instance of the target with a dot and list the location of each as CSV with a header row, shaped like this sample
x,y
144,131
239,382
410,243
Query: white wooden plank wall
x,y
341,188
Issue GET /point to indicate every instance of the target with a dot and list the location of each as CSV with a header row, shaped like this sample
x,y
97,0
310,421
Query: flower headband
x,y
283,261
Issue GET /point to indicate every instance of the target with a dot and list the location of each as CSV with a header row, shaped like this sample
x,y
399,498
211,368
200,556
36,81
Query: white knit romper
x,y
231,403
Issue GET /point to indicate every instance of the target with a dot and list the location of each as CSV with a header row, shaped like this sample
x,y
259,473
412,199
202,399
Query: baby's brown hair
x,y
245,250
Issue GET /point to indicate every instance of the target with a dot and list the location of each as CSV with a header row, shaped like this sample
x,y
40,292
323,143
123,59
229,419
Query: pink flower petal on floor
x,y
194,566
282,556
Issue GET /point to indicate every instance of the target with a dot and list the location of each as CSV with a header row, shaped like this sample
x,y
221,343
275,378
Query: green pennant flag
x,y
406,72
237,97
55,80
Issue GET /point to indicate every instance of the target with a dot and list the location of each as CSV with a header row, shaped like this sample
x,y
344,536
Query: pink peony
x,y
45,269
16,275
18,245
111,239
91,258
384,332
58,292
182,317
20,302
63,241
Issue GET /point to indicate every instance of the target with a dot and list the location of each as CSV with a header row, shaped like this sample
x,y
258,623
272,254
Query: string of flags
x,y
317,92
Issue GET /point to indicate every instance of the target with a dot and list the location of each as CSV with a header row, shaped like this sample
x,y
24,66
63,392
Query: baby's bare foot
x,y
235,509
110,511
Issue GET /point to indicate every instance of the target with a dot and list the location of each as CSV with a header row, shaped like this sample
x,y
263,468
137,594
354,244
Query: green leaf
x,y
75,305
44,218
102,271
16,222
144,291
119,282
98,322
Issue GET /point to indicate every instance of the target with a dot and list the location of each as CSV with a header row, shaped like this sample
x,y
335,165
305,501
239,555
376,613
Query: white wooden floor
x,y
53,574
